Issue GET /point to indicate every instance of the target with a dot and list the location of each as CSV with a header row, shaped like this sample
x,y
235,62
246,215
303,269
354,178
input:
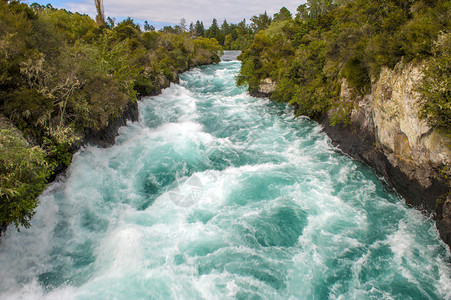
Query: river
x,y
215,194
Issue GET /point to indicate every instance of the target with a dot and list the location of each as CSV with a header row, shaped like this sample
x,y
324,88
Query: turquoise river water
x,y
215,194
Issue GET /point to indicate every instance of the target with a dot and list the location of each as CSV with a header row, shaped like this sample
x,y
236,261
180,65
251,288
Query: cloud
x,y
172,11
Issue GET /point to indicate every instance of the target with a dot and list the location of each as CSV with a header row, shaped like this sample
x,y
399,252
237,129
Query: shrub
x,y
23,175
436,86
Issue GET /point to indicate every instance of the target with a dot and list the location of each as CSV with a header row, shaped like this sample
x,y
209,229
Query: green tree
x,y
213,30
302,12
199,29
318,8
436,86
23,176
110,22
283,15
191,29
308,57
225,28
260,22
148,27
242,27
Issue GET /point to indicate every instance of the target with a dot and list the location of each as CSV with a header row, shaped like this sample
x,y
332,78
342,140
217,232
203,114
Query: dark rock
x,y
103,138
259,94
444,221
358,143
2,229
106,136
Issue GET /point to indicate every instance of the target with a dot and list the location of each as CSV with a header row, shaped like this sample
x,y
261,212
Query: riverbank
x,y
416,169
382,94
217,194
67,81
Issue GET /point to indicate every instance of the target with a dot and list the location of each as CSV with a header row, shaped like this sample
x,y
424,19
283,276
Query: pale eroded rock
x,y
387,133
405,138
267,86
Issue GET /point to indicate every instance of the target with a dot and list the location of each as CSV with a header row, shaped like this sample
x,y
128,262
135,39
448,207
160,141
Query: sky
x,y
166,12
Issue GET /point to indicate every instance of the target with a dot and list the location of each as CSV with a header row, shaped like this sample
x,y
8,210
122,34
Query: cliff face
x,y
387,133
405,139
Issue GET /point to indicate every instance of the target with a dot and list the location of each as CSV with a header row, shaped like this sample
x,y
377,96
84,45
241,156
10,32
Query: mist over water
x,y
215,194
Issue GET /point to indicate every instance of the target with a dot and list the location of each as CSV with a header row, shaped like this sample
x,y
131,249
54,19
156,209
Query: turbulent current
x,y
215,194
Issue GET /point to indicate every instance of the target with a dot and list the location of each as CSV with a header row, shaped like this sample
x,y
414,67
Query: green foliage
x,y
276,30
126,29
23,175
252,71
342,115
215,32
38,107
353,39
229,36
283,15
72,26
318,8
207,50
15,29
356,74
199,29
260,22
57,152
62,75
436,86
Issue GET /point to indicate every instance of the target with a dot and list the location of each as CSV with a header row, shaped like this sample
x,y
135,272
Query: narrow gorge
x,y
216,194
295,156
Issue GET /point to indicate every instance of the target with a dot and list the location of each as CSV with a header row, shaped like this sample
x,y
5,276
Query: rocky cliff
x,y
387,133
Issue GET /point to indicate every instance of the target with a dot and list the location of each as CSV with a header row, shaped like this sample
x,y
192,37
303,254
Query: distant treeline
x,y
307,56
63,76
230,36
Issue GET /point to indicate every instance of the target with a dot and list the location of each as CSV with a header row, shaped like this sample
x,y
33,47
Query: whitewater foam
x,y
215,194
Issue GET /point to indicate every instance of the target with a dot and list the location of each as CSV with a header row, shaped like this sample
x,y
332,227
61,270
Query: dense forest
x,y
230,36
308,55
64,76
